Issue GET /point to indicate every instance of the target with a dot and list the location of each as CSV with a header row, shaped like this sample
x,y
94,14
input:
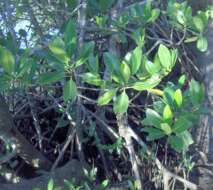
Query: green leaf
x,y
139,37
92,78
181,141
152,118
174,56
165,127
196,92
181,80
167,113
106,97
178,98
93,64
135,60
105,183
7,60
51,77
147,84
58,50
165,57
198,23
202,44
125,71
181,125
70,37
154,15
121,103
152,68
181,17
50,185
191,39
111,62
85,52
153,133
69,90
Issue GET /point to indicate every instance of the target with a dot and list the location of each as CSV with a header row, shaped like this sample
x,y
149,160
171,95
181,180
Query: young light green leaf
x,y
181,80
51,77
198,23
7,60
202,44
165,57
69,90
106,97
178,98
125,71
50,185
167,113
121,103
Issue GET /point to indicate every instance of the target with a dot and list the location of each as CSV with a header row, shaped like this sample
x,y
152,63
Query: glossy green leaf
x,y
147,84
178,98
92,78
57,47
152,118
135,60
202,44
69,90
152,68
51,77
125,71
106,97
7,60
165,57
121,103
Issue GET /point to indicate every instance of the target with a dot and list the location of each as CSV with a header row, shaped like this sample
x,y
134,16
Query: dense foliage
x,y
105,72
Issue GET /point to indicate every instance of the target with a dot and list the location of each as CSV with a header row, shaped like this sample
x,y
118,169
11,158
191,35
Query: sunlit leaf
x,y
7,60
